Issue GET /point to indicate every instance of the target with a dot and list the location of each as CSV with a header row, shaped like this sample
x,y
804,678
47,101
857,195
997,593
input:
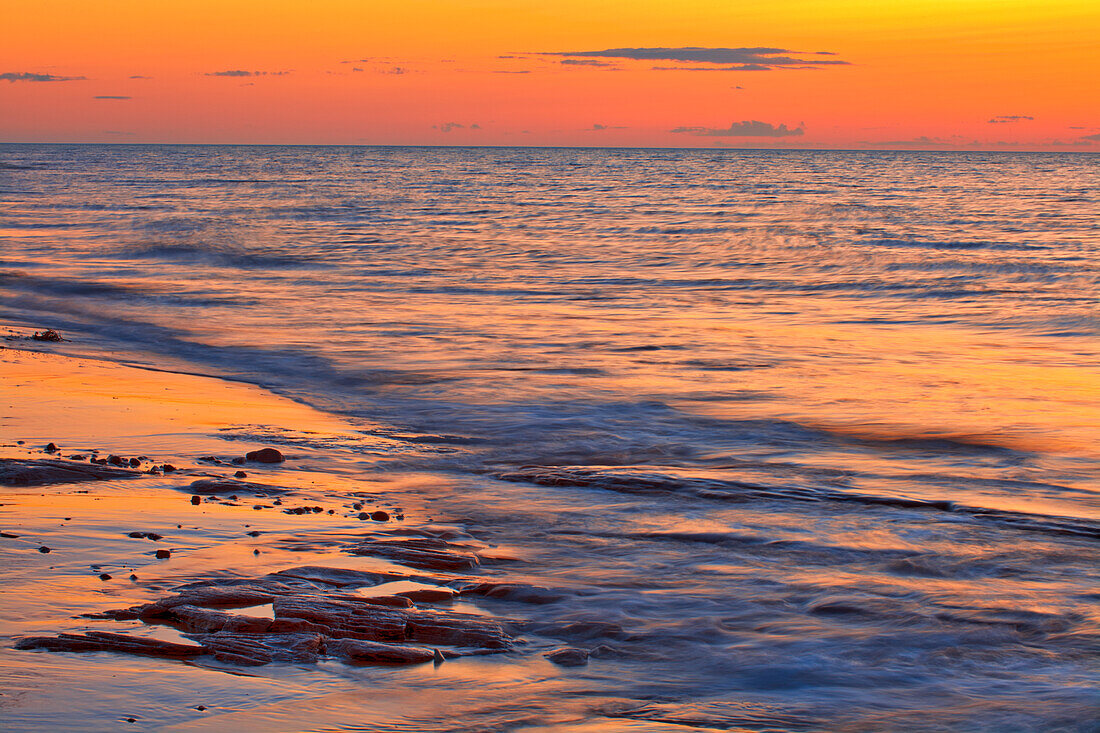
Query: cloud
x,y
1001,119
13,76
111,96
740,67
448,126
597,127
241,72
139,76
1092,138
584,62
503,71
733,59
745,128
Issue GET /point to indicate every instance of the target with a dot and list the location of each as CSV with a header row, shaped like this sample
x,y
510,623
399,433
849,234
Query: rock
x,y
102,641
380,516
43,549
241,474
196,500
48,335
358,650
19,472
163,554
425,553
437,657
133,577
238,461
168,468
204,620
429,595
78,457
230,486
258,649
104,576
9,536
52,448
134,463
568,657
339,619
513,592
339,577
265,455
116,460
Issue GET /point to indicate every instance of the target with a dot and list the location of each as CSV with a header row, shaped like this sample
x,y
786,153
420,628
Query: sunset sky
x,y
898,74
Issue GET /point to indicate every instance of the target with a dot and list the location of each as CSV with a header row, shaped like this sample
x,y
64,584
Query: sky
x,y
848,74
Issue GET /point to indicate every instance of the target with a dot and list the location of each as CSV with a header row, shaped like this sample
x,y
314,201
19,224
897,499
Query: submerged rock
x,y
427,553
19,472
568,657
102,641
210,486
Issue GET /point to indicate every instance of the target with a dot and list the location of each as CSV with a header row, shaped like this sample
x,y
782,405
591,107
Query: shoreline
x,y
313,538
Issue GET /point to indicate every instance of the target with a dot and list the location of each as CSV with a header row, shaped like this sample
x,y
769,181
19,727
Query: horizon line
x,y
556,147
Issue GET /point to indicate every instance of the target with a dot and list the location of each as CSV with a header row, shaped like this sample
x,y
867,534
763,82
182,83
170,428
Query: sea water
x,y
817,430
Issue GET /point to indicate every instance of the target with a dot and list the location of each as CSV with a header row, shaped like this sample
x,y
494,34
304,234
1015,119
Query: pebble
x,y
163,554
241,474
104,576
43,549
380,516
195,500
52,448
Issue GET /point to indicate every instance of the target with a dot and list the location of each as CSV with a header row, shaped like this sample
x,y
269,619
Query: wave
x,y
740,491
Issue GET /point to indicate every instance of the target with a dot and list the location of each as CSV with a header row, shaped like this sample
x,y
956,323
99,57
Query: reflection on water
x,y
814,431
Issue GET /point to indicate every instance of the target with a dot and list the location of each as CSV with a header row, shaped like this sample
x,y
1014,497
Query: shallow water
x,y
817,430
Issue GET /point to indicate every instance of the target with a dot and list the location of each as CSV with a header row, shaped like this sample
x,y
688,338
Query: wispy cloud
x,y
1003,119
111,96
745,128
597,127
13,76
1092,138
242,73
448,126
757,58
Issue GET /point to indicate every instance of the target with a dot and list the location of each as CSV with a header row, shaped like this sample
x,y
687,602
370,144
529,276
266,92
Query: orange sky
x,y
916,73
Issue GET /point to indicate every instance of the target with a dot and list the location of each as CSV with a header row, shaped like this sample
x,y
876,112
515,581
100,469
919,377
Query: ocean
x,y
816,430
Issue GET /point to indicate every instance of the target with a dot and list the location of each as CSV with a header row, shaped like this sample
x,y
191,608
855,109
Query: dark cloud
x,y
448,126
111,96
740,67
597,127
502,71
734,59
584,62
745,128
13,76
1092,138
1001,119
241,72
139,76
